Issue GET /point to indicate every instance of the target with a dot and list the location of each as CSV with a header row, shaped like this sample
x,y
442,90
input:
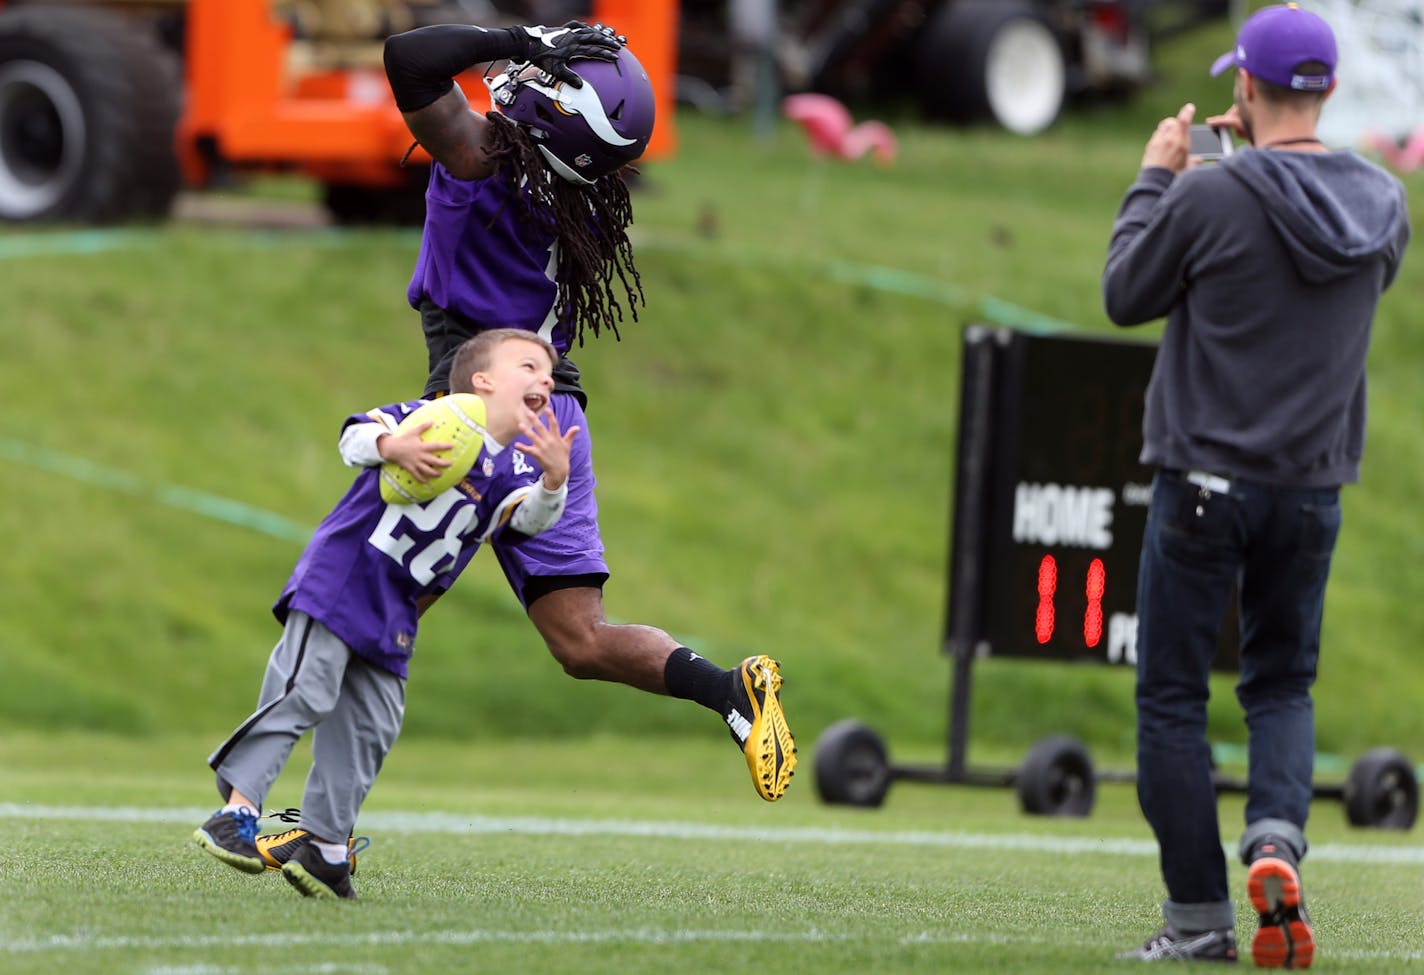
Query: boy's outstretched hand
x,y
548,446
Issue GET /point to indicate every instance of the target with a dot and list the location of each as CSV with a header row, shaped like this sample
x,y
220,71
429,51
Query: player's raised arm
x,y
421,66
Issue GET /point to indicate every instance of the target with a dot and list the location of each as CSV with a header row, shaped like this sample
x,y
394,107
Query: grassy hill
x,y
773,438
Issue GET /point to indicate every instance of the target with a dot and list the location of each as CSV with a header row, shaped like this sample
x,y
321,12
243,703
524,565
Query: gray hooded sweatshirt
x,y
1268,266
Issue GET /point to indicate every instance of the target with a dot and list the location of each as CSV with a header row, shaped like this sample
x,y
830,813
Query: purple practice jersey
x,y
508,280
369,562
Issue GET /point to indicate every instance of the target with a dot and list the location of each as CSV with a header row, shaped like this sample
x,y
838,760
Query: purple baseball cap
x,y
1274,41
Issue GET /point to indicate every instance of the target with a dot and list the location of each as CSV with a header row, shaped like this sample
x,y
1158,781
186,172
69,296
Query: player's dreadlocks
x,y
590,224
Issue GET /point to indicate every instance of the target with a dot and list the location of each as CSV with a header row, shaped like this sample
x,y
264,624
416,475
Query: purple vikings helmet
x,y
587,132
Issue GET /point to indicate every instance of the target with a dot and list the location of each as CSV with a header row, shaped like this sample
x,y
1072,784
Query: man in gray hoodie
x,y
1268,267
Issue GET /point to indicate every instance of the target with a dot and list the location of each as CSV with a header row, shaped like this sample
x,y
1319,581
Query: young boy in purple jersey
x,y
350,608
526,227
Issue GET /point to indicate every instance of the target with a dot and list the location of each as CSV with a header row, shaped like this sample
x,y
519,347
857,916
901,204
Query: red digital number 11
x,y
1094,587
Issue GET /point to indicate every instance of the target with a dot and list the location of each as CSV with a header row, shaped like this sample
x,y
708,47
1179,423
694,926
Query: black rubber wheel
x,y
157,79
992,59
88,105
1056,778
1382,791
852,765
352,204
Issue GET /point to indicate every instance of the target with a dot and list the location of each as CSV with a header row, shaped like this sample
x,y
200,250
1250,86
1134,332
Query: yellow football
x,y
457,419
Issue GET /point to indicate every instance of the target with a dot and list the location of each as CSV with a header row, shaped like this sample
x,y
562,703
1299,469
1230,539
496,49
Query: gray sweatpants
x,y
314,681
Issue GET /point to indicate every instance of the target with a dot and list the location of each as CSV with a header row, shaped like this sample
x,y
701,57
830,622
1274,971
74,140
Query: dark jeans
x,y
1275,545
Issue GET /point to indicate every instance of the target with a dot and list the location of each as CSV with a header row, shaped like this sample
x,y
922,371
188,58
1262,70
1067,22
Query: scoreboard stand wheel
x,y
1382,791
1056,778
852,765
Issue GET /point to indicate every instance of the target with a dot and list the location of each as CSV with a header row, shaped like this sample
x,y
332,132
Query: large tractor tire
x,y
88,106
996,60
354,205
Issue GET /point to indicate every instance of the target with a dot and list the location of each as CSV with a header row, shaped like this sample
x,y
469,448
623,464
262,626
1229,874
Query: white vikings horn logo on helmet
x,y
583,102
583,133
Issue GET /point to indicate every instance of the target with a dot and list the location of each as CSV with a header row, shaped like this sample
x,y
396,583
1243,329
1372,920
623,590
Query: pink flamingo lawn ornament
x,y
830,132
1405,159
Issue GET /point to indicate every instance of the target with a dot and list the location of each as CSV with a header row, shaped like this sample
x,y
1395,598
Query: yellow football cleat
x,y
758,725
276,849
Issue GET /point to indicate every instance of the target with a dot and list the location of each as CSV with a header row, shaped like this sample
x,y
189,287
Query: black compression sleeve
x,y
422,63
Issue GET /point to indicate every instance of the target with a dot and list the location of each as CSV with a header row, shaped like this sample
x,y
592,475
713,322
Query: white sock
x,y
331,852
232,807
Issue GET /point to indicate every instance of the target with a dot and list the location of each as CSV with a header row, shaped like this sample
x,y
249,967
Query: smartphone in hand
x,y
1210,143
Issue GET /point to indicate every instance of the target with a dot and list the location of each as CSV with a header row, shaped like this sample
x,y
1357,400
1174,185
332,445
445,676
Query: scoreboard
x,y
1050,499
1050,505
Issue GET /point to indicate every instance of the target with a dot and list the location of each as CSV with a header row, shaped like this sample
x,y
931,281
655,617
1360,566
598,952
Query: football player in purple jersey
x,y
349,611
526,227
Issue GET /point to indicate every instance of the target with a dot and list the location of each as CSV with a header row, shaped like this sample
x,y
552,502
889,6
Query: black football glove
x,y
551,48
605,30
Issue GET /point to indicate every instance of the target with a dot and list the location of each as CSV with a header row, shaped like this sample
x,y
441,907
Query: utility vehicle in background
x,y
1014,63
109,107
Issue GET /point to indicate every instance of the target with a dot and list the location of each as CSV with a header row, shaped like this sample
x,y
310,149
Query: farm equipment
x,y
109,107
1012,62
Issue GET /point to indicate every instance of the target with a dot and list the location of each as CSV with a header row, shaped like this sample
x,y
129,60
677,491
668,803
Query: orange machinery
x,y
245,109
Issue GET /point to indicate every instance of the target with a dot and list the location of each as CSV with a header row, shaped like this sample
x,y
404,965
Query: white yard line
x,y
651,936
452,824
455,824
266,968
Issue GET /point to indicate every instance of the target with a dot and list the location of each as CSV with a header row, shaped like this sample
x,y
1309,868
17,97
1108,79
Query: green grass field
x,y
606,855
775,442
172,395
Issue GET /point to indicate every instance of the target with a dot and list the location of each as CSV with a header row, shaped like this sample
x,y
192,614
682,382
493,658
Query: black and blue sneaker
x,y
232,838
